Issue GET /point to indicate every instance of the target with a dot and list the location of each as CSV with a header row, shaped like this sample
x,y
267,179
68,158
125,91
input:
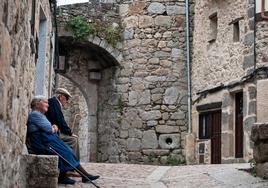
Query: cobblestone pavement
x,y
147,176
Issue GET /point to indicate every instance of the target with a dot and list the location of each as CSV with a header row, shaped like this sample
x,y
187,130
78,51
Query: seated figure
x,y
43,136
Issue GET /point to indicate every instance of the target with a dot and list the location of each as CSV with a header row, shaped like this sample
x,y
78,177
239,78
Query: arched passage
x,y
88,66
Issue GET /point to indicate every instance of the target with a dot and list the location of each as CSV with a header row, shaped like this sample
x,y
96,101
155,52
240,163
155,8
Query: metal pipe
x,y
263,10
254,35
188,68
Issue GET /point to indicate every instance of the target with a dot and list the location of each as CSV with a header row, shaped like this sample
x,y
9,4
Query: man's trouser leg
x,y
72,141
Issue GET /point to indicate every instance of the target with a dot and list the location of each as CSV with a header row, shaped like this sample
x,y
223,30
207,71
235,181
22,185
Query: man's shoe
x,y
66,180
92,178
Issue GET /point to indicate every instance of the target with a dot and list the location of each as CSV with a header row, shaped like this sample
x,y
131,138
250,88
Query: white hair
x,y
37,99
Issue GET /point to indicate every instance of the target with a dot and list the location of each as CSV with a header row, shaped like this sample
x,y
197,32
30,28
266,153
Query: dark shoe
x,y
92,178
66,180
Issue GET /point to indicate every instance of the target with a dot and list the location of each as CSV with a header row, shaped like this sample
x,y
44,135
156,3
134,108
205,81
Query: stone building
x,y
229,81
135,91
26,56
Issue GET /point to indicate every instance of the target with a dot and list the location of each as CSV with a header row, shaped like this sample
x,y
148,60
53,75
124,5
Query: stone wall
x,y
141,104
17,83
220,60
260,137
76,114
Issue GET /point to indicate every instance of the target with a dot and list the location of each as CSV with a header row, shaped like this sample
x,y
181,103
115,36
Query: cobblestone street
x,y
147,176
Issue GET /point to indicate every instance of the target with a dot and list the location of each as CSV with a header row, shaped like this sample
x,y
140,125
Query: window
x,y
213,27
236,36
205,125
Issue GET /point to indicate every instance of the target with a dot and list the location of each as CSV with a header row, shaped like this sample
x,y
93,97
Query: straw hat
x,y
63,92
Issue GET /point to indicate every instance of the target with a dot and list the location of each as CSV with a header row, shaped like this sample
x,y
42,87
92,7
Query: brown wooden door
x,y
239,125
216,137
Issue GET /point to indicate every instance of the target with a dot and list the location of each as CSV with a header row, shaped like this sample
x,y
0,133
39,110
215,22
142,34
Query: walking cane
x,y
54,151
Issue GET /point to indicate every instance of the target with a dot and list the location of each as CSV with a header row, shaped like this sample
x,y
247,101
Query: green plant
x,y
175,162
119,108
252,163
112,35
120,105
80,27
151,157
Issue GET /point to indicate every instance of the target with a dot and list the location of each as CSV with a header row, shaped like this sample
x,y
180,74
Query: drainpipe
x,y
262,10
254,35
188,67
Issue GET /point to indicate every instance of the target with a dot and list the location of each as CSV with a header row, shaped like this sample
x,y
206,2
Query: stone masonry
x,y
19,28
142,103
223,53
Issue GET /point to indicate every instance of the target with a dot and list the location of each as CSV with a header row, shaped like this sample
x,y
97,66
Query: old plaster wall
x,y
222,61
17,82
141,105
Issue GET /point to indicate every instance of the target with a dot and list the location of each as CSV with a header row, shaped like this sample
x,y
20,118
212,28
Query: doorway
x,y
210,128
239,132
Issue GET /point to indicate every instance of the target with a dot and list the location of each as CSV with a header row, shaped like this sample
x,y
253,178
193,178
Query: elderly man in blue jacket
x,y
55,116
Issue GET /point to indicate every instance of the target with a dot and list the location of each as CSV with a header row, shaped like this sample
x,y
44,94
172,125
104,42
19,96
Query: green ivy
x,y
112,35
252,163
80,28
175,162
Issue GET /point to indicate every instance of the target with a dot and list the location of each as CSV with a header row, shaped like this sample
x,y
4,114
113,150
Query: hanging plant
x,y
80,28
112,34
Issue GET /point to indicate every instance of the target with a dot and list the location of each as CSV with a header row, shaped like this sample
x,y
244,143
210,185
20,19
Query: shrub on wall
x,y
80,28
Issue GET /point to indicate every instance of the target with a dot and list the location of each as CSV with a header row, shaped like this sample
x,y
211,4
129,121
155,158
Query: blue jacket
x,y
55,116
41,137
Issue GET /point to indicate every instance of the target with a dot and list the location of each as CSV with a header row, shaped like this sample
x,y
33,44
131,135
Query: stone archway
x,y
88,66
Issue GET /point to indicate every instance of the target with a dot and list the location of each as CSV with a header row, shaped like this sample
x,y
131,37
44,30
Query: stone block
x,y
136,7
145,21
263,131
252,108
249,38
175,10
262,100
252,92
133,144
255,132
262,170
156,8
227,145
260,152
249,122
156,152
248,61
41,171
163,21
149,139
167,129
151,115
169,141
171,95
190,148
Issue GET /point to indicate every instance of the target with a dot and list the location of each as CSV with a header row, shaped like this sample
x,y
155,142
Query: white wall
x,y
258,5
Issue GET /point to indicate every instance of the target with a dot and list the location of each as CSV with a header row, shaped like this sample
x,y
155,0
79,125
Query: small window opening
x,y
213,27
236,32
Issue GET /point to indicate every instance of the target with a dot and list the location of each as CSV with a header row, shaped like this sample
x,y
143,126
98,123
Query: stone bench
x,y
259,135
41,171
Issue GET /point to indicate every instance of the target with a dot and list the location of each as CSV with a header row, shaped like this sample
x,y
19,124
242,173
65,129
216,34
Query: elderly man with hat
x,y
55,116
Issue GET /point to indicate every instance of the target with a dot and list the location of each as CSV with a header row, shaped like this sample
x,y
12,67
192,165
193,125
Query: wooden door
x,y
239,125
216,137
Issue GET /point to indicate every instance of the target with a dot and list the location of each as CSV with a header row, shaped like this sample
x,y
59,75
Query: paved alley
x,y
147,176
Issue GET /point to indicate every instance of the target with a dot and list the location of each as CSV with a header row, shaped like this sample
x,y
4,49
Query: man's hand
x,y
55,128
74,135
